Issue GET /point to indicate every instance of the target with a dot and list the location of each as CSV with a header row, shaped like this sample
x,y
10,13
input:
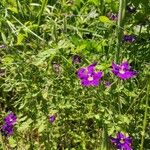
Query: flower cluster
x,y
88,75
123,70
10,120
122,142
129,38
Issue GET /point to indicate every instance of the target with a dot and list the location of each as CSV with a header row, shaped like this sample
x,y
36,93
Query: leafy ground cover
x,y
75,74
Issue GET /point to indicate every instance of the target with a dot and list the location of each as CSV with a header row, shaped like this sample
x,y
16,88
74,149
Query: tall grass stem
x,y
145,115
121,15
44,3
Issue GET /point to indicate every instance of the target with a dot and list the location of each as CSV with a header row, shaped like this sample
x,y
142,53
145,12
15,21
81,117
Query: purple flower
x,y
131,9
76,59
2,72
122,142
129,38
88,76
56,67
2,46
52,118
112,16
10,119
7,130
123,70
107,84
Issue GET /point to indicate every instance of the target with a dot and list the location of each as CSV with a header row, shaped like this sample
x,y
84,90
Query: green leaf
x,y
42,56
41,128
20,38
12,142
103,66
24,126
96,2
13,9
80,48
7,60
104,19
3,37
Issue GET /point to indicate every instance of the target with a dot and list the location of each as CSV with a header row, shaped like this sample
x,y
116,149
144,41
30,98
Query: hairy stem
x,y
44,3
145,115
2,142
121,15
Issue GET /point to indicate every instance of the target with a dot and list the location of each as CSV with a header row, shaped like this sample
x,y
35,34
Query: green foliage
x,y
39,34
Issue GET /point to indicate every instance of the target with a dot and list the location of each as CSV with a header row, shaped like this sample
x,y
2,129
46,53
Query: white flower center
x,y
121,71
90,78
121,140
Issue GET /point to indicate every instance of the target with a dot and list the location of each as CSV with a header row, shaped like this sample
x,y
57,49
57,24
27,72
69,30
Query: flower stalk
x,y
44,3
145,115
2,142
121,16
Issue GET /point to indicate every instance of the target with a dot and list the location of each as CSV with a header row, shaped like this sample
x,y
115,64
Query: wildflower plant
x,y
61,100
88,75
123,70
122,142
9,122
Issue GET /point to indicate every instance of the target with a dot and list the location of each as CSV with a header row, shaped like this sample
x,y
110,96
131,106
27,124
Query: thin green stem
x,y
102,6
19,9
2,143
44,3
145,115
28,29
121,15
140,30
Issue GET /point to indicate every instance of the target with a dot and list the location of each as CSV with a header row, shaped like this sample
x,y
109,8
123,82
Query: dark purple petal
x,y
125,65
119,146
115,72
56,67
2,72
115,66
85,82
52,118
126,75
126,147
91,68
129,38
131,9
120,135
76,59
98,75
128,140
112,16
95,82
7,129
107,83
3,46
10,119
82,73
113,140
